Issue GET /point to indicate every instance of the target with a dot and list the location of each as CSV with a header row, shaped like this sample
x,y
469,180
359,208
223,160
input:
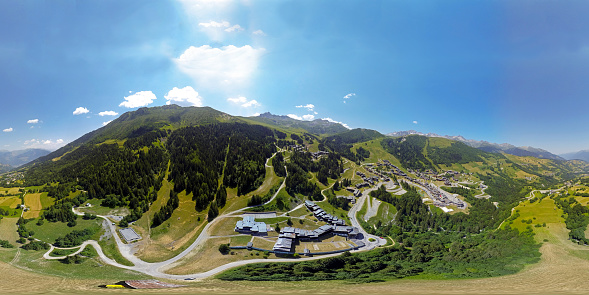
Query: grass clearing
x,y
174,234
46,201
33,202
225,226
110,249
539,212
50,231
207,257
386,212
10,202
96,209
240,240
90,268
8,230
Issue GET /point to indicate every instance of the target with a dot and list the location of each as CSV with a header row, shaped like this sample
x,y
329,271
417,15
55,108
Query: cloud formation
x,y
309,107
243,102
214,24
259,33
216,30
414,122
334,121
138,99
303,118
8,130
81,110
33,121
228,66
106,123
108,113
348,96
234,28
44,143
186,96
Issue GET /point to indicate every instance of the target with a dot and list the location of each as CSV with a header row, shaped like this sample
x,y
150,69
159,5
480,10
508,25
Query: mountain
x,y
173,169
134,124
317,126
20,157
523,151
580,155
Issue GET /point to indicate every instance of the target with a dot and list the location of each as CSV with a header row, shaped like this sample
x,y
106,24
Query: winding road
x,y
157,269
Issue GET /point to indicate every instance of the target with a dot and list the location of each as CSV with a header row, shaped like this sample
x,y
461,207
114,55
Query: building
x,y
249,225
283,245
129,234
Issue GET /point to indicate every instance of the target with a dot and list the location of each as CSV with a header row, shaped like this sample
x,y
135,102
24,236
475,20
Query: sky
x,y
502,71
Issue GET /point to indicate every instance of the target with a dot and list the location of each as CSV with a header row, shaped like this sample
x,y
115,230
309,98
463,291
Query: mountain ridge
x,y
522,151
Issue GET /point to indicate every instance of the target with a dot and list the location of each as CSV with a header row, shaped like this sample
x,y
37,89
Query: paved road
x,y
157,269
352,215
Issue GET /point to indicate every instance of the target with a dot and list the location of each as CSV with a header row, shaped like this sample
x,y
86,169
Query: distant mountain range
x,y
580,155
19,157
317,126
522,151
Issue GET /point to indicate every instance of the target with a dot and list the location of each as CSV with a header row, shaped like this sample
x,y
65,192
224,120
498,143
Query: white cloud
x,y
348,96
138,99
34,121
81,110
44,143
32,141
255,115
414,122
214,24
106,123
303,118
234,28
251,103
259,33
239,99
228,66
216,30
8,130
186,96
108,113
243,102
309,107
334,121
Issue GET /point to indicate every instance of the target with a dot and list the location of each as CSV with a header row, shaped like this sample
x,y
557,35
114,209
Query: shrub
x,y
224,249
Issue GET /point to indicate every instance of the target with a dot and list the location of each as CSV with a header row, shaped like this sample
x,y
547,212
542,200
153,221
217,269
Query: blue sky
x,y
501,71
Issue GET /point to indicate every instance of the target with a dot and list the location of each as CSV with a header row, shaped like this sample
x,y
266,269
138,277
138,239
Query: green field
x,y
385,214
8,230
50,231
110,249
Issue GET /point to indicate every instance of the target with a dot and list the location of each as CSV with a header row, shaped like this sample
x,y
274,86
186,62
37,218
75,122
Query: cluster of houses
x,y
440,198
288,235
394,169
368,181
319,154
354,191
296,147
320,214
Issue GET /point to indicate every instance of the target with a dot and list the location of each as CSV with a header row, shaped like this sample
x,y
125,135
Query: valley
x,y
427,210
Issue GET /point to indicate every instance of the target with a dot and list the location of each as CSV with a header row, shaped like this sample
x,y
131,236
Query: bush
x,y
5,244
224,249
